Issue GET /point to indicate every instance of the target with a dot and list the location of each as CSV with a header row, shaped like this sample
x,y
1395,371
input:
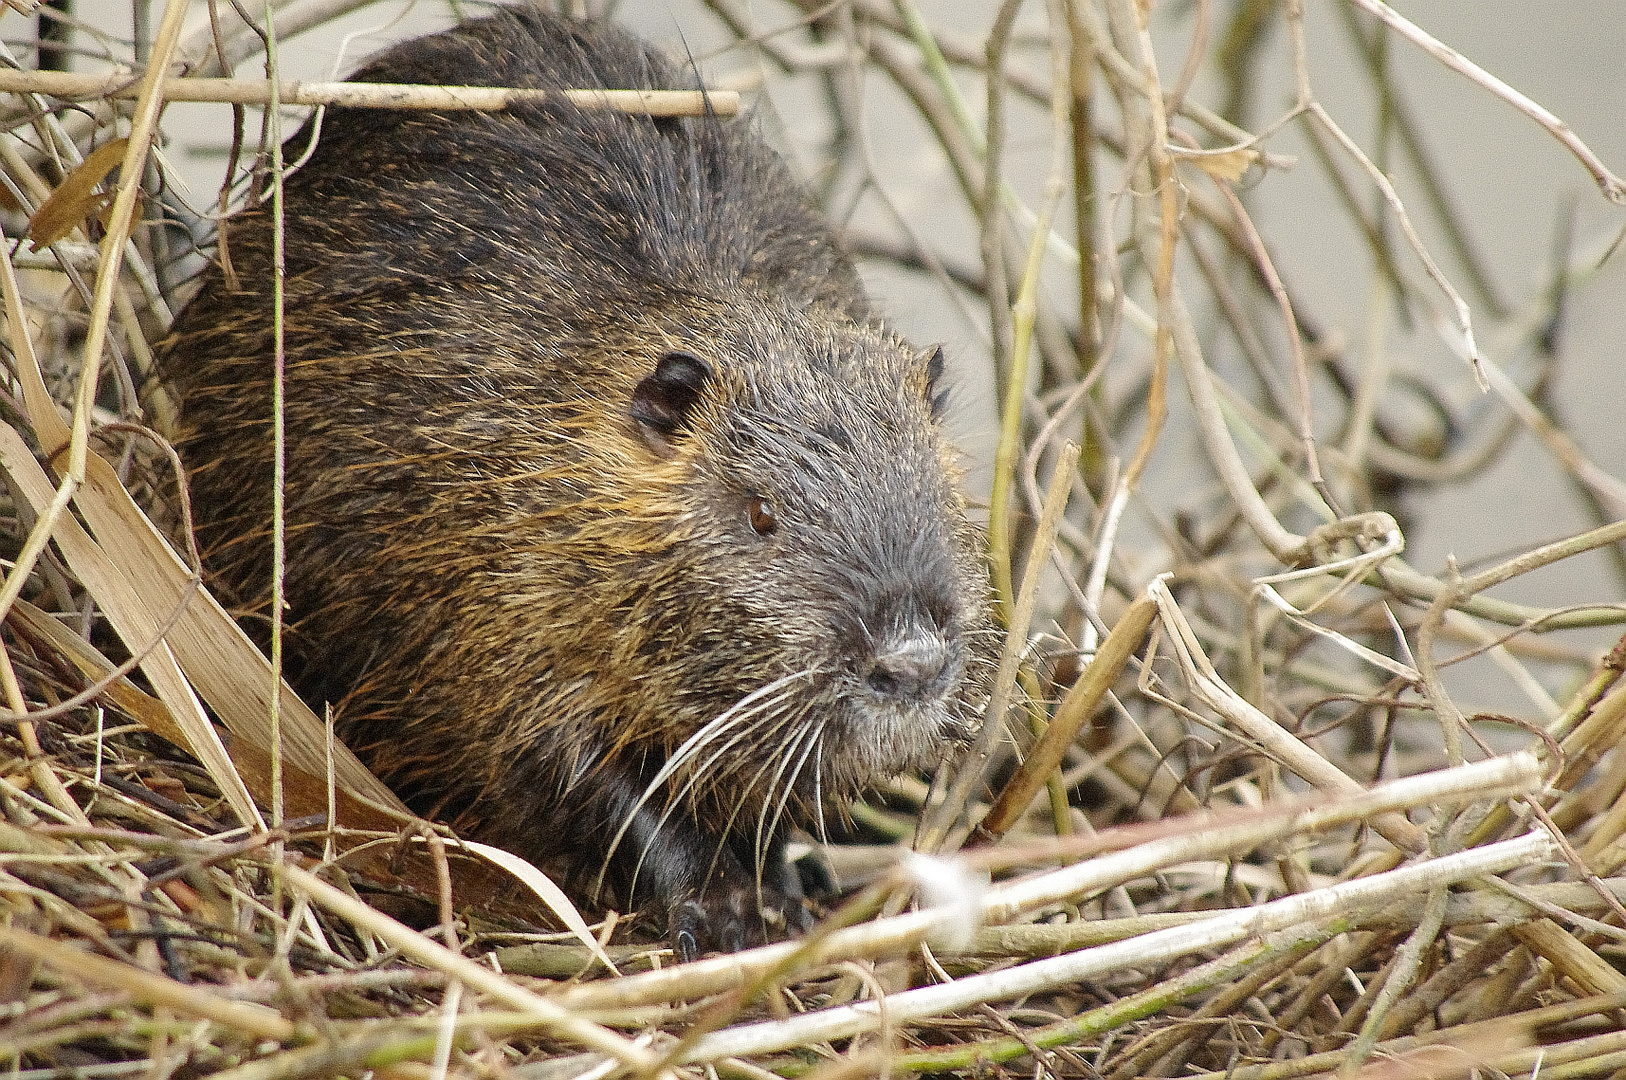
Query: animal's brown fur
x,y
543,368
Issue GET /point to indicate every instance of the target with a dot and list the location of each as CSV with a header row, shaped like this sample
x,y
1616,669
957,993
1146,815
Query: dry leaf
x,y
1226,165
76,198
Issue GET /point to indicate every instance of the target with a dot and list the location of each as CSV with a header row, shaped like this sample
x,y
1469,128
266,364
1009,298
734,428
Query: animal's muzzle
x,y
918,664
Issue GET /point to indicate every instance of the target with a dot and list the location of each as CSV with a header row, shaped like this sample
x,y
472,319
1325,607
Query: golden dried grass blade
x,y
121,597
230,672
306,794
549,893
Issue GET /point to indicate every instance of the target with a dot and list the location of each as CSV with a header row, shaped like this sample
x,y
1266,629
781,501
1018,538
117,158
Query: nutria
x,y
619,532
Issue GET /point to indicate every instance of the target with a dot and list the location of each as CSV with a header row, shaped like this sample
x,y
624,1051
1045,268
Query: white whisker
x,y
740,712
780,756
817,733
818,786
757,716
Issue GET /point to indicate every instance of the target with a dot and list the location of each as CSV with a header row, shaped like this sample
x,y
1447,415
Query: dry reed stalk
x,y
71,87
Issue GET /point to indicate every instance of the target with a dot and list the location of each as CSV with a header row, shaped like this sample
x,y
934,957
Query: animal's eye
x,y
763,517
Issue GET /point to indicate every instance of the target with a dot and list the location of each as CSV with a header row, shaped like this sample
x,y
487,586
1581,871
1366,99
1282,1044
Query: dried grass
x,y
1207,864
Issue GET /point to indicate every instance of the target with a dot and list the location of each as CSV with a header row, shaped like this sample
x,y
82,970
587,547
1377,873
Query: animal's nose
x,y
910,666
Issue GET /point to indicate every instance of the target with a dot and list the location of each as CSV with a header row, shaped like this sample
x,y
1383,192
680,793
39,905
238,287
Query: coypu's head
x,y
815,498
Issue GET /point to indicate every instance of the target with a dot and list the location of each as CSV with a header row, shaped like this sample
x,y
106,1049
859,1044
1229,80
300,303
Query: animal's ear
x,y
663,402
936,393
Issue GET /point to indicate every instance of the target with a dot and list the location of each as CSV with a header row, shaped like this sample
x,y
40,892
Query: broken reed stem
x,y
1075,709
357,95
1276,740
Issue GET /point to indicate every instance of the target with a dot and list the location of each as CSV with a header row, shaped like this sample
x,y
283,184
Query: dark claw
x,y
686,924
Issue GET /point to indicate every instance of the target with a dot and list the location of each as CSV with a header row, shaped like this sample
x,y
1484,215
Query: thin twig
x,y
1613,188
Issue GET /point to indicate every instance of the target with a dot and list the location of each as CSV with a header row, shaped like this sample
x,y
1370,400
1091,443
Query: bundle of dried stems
x,y
1224,818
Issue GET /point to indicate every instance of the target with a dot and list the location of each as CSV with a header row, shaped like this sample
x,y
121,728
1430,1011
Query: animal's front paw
x,y
732,917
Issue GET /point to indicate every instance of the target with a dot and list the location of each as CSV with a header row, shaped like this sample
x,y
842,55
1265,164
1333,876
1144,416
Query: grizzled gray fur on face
x,y
619,532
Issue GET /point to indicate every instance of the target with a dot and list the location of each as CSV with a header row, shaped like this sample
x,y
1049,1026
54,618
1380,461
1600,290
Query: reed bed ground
x,y
1258,796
